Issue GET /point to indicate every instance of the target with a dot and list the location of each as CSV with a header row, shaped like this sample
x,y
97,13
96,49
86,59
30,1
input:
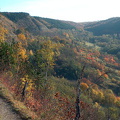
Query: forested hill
x,y
109,26
50,69
36,25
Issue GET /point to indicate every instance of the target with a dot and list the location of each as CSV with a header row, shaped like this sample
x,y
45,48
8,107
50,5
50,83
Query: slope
x,y
30,64
109,26
36,25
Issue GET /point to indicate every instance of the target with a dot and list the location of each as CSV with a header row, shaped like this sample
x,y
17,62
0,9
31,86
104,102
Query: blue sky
x,y
71,10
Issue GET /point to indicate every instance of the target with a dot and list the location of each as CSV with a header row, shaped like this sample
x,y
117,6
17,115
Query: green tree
x,y
46,56
6,54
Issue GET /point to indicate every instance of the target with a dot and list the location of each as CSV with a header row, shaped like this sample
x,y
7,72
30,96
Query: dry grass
x,y
17,106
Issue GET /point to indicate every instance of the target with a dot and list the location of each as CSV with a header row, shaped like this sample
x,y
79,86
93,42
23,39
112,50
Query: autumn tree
x,y
3,32
27,86
22,38
46,56
20,56
82,88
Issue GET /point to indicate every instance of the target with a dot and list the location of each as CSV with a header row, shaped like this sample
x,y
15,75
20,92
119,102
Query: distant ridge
x,y
53,23
109,26
47,26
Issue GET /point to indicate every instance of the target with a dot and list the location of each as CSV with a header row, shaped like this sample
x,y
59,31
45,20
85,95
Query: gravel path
x,y
6,112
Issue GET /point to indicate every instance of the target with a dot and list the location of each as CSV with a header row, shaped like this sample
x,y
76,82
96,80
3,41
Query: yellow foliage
x,y
96,105
3,31
31,52
48,51
19,45
94,92
32,40
110,98
30,86
101,95
22,39
22,53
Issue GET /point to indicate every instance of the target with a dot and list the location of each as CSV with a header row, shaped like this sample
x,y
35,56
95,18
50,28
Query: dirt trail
x,y
6,112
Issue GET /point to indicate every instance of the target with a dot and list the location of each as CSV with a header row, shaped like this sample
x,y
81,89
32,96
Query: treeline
x,y
51,23
15,16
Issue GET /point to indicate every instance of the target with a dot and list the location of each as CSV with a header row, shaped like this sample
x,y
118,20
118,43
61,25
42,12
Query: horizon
x,y
75,11
59,19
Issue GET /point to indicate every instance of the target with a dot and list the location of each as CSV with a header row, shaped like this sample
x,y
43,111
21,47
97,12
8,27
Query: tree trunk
x,y
23,90
77,108
78,94
46,73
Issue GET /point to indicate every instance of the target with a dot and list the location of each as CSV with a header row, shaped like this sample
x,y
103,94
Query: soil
x,y
6,112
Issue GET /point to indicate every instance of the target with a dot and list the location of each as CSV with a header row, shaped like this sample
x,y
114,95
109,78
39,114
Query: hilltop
x,y
36,25
39,26
109,26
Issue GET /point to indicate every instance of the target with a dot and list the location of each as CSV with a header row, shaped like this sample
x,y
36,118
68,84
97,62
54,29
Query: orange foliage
x,y
82,104
118,99
33,104
66,35
106,76
21,37
81,50
88,82
66,108
102,73
84,86
109,59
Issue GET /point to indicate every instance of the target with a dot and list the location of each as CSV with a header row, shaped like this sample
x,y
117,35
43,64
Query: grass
x,y
65,87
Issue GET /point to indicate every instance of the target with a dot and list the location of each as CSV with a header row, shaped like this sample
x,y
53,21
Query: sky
x,y
69,10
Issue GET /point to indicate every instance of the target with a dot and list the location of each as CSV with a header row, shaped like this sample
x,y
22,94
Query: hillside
x,y
52,67
109,26
36,25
